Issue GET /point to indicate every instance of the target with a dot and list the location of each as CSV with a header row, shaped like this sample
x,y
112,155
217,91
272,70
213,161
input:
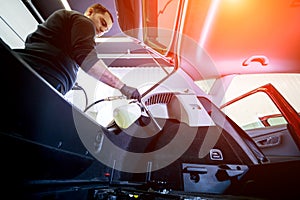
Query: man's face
x,y
102,22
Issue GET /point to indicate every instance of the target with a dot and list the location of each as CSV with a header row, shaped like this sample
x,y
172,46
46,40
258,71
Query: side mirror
x,y
126,115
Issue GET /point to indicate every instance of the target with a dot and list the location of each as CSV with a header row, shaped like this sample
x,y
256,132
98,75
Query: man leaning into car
x,y
65,42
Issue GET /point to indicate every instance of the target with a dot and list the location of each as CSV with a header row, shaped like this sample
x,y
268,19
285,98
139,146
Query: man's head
x,y
102,18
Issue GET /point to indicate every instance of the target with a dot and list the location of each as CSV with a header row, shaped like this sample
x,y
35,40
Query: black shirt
x,y
59,46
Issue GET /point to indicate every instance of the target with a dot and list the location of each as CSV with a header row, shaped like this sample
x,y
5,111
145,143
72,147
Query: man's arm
x,y
100,71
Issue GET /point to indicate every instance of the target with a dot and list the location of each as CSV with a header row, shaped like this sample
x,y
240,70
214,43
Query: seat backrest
x,y
38,121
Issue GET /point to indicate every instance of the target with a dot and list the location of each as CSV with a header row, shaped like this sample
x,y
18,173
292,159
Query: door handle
x,y
269,141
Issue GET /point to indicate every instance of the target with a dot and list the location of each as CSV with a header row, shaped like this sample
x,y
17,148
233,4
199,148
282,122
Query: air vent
x,y
160,98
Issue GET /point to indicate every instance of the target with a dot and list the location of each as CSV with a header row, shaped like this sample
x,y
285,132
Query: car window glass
x,y
254,111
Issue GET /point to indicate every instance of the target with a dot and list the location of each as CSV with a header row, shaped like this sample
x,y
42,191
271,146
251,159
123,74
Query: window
x,y
251,112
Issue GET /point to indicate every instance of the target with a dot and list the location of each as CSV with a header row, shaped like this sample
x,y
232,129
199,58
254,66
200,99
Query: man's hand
x,y
130,92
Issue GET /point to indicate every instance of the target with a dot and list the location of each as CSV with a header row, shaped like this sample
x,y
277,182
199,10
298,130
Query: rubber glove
x,y
130,92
